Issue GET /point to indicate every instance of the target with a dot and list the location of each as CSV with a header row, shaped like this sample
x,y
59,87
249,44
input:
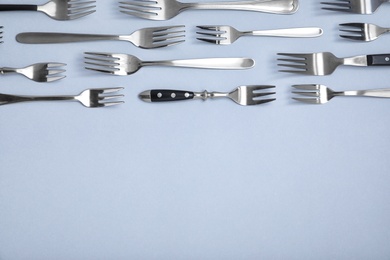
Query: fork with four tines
x,y
57,9
39,72
354,6
362,31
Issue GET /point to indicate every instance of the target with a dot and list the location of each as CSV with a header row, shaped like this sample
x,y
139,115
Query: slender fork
x,y
243,95
362,31
354,6
88,98
320,94
325,63
225,34
125,64
57,9
39,72
146,38
166,9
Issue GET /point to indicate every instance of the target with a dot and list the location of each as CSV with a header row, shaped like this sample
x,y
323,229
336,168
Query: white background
x,y
194,180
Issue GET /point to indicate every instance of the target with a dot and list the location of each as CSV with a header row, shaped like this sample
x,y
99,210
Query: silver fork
x,y
125,64
320,94
39,72
57,9
89,98
354,6
225,34
362,31
166,9
325,63
243,95
146,38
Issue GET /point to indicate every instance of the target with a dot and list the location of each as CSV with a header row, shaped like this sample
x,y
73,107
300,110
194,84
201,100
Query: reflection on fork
x,y
354,6
39,72
362,31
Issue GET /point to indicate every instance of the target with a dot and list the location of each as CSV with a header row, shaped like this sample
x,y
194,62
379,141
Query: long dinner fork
x,y
57,9
320,94
147,38
243,95
362,31
325,63
100,97
354,6
225,34
166,9
125,64
39,72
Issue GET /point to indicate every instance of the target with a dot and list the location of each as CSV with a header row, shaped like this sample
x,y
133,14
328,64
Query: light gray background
x,y
194,180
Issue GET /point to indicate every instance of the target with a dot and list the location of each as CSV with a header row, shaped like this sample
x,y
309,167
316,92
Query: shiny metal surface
x,y
320,94
362,31
166,9
354,6
39,72
225,34
320,63
88,98
124,64
147,38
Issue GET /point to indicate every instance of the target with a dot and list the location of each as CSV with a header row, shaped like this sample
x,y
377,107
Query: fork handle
x,y
18,8
208,63
290,32
380,93
163,95
41,37
9,99
378,60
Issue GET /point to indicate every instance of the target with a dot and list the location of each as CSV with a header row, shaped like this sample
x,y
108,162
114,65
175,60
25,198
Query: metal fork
x,y
88,98
243,95
325,63
147,38
57,9
166,9
354,6
225,34
39,72
125,64
320,94
362,31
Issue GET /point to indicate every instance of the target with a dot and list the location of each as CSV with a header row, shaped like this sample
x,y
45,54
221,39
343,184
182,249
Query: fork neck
x,y
355,61
206,95
7,70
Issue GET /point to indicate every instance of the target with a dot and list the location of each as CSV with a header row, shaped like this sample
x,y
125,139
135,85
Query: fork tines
x,y
355,31
298,60
102,62
213,34
258,93
106,96
338,5
54,71
140,8
80,8
167,35
311,91
1,34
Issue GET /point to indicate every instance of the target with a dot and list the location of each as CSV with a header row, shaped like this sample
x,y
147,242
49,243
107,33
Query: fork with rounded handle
x,y
362,31
320,94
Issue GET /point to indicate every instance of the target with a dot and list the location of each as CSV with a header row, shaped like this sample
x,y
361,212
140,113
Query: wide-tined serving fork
x,y
166,9
325,63
362,31
57,9
99,97
354,6
147,38
39,72
225,34
243,95
320,94
125,64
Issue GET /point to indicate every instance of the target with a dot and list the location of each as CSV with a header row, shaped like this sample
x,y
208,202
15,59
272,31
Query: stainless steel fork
x,y
57,9
166,9
320,94
362,31
354,6
89,98
39,72
243,95
325,63
146,38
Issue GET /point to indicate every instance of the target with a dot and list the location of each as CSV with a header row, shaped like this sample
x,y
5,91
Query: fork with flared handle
x,y
125,64
225,34
362,31
39,72
243,95
100,97
320,94
57,9
166,9
354,6
146,38
325,63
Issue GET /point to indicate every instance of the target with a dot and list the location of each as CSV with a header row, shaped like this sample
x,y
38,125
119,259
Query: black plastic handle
x,y
161,95
378,60
18,7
